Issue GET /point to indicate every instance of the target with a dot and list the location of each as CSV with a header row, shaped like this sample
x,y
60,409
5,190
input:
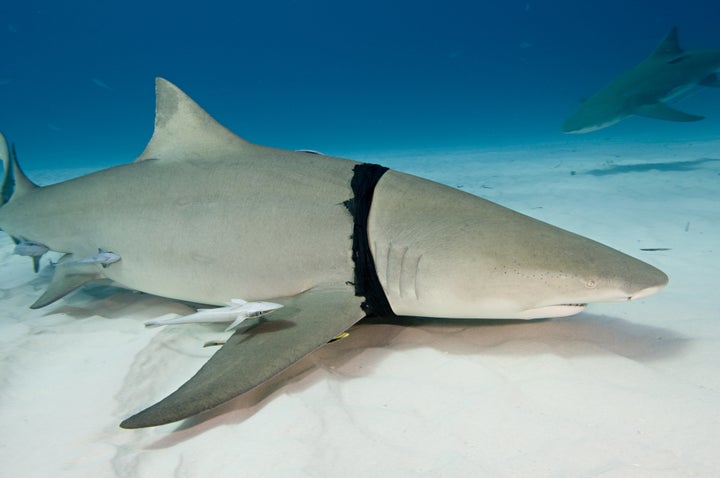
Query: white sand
x,y
622,390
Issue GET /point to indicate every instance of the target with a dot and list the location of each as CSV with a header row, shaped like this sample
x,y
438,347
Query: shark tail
x,y
14,182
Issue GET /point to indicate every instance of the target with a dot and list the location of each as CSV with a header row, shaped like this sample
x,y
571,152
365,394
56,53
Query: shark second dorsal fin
x,y
183,130
669,48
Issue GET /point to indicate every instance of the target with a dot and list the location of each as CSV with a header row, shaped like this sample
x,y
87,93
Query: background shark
x,y
668,73
205,216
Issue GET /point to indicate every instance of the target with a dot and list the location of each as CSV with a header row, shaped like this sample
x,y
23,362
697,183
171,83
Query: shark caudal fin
x,y
14,182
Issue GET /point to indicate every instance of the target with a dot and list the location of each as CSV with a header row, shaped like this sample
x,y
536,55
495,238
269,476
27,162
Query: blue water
x,y
76,77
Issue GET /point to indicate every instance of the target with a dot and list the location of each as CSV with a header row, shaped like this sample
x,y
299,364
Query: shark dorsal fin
x,y
183,130
669,48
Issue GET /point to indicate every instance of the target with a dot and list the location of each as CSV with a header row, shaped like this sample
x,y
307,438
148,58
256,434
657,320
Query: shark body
x,y
205,216
667,74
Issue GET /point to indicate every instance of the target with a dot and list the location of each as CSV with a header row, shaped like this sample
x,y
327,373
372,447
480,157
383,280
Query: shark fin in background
x,y
669,47
664,112
253,355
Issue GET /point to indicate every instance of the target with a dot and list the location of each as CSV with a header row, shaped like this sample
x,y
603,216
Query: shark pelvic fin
x,y
183,130
14,183
664,112
68,276
254,354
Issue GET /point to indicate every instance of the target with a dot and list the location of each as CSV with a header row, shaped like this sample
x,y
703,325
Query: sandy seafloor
x,y
621,390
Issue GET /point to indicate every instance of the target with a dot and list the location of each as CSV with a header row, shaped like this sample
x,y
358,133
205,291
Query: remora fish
x,y
207,217
668,73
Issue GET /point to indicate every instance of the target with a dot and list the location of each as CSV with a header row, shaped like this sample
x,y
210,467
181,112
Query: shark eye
x,y
590,284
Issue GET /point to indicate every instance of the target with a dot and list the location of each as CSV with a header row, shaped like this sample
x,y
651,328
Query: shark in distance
x,y
667,74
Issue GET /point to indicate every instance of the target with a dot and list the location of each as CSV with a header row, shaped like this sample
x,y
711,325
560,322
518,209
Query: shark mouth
x,y
565,310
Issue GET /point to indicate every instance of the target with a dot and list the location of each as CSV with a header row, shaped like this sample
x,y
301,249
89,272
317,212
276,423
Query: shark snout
x,y
580,124
655,280
570,126
645,280
639,281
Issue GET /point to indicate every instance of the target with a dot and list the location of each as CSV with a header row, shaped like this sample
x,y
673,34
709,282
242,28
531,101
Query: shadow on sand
x,y
645,167
584,335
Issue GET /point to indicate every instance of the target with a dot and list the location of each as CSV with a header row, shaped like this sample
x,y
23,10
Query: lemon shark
x,y
667,74
207,217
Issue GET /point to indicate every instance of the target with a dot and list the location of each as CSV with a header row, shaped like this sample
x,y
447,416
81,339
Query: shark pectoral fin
x,y
253,355
67,278
664,112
